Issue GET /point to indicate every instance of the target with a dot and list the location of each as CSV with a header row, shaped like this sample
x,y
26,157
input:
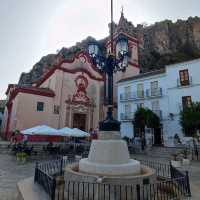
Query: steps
x,y
163,152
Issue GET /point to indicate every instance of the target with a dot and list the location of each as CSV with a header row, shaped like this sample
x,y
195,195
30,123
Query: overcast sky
x,y
30,29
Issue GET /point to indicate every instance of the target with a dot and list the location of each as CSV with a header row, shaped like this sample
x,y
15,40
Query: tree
x,y
190,119
145,117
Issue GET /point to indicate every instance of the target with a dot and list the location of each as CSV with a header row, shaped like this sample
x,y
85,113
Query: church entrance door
x,y
79,121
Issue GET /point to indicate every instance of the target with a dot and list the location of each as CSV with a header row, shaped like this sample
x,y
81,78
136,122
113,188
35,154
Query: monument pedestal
x,y
109,156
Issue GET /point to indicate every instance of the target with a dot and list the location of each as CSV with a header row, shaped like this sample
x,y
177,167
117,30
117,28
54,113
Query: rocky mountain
x,y
160,44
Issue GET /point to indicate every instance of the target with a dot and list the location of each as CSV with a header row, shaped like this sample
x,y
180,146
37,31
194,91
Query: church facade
x,y
70,94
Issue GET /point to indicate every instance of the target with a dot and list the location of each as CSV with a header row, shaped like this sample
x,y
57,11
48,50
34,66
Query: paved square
x,y
10,174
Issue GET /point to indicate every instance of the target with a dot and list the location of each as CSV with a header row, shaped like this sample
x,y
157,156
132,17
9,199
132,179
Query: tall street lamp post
x,y
108,65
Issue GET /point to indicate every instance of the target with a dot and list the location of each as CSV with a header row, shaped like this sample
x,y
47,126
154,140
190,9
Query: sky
x,y
30,29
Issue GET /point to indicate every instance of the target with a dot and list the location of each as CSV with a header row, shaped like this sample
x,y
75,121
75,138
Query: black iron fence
x,y
181,178
46,172
175,186
162,169
47,182
166,190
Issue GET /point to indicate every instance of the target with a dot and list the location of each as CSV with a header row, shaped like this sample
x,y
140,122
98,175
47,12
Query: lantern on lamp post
x,y
109,65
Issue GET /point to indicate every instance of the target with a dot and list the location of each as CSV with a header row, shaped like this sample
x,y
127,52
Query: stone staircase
x,y
163,152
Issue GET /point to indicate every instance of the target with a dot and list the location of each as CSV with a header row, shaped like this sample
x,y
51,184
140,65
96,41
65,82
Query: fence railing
x,y
99,191
46,172
182,179
162,169
176,185
47,182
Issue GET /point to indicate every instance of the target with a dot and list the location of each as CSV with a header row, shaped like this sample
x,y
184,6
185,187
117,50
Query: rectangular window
x,y
140,105
127,108
140,90
186,101
127,91
184,77
154,88
155,105
40,106
56,109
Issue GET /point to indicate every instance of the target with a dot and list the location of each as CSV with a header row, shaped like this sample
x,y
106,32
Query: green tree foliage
x,y
190,119
145,117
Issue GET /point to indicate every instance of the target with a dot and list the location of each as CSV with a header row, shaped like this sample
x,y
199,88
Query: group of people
x,y
93,133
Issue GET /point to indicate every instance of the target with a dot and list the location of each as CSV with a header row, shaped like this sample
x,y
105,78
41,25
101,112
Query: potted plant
x,y
21,157
185,160
18,156
175,161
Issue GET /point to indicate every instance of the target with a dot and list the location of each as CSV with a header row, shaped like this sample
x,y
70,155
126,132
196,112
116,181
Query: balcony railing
x,y
154,93
184,83
127,116
141,94
158,113
132,96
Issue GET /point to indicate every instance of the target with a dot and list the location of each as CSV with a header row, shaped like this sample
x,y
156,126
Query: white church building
x,y
165,92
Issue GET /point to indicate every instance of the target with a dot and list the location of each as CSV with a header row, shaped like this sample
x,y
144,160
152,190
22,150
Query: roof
x,y
143,75
32,90
29,90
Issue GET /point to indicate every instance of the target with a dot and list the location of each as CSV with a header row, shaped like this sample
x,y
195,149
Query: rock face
x,y
167,42
160,44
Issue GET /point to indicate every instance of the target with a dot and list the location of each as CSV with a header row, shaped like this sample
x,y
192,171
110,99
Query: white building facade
x,y
165,92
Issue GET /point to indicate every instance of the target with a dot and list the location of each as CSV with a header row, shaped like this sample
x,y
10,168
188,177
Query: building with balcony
x,y
165,92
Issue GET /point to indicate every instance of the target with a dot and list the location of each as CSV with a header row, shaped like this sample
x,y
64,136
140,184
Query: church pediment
x,y
81,63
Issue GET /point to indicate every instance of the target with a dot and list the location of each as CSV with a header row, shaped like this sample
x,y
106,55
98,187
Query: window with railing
x,y
140,105
154,88
127,92
140,90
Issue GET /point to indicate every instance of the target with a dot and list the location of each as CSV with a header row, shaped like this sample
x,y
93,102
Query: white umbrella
x,y
75,132
41,130
30,131
64,131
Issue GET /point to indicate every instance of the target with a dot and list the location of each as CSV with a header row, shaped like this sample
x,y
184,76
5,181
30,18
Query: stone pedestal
x,y
109,156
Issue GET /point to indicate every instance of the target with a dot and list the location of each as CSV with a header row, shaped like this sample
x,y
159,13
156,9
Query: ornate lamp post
x,y
110,64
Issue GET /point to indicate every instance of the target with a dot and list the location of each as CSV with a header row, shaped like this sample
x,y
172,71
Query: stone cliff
x,y
160,44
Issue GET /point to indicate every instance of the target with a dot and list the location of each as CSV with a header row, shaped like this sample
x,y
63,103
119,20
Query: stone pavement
x,y
10,174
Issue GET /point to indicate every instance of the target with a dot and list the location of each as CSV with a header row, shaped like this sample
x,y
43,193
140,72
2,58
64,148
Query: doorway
x,y
158,137
79,121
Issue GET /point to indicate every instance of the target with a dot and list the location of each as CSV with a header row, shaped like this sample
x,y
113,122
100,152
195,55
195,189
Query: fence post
x,y
61,166
36,172
59,188
138,191
171,170
53,190
188,183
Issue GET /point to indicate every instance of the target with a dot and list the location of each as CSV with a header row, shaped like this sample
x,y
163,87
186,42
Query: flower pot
x,y
186,161
176,163
18,158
